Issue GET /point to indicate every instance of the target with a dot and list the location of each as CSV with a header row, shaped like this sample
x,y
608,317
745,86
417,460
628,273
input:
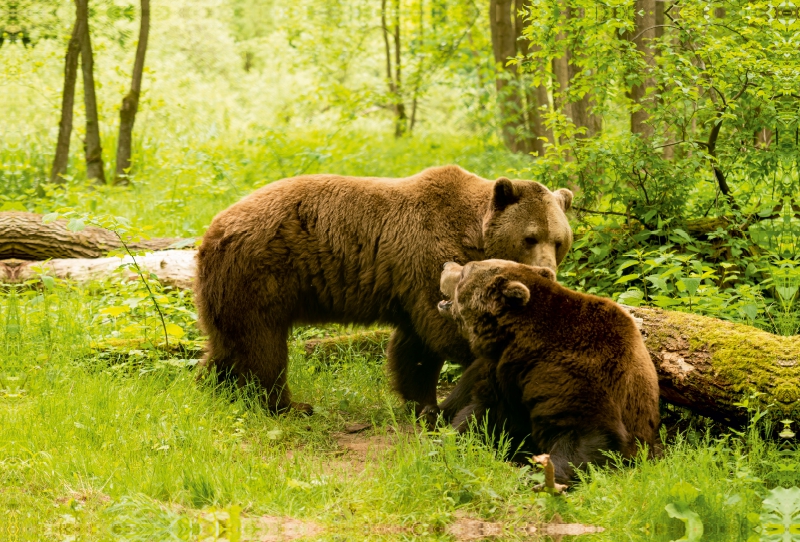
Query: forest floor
x,y
129,445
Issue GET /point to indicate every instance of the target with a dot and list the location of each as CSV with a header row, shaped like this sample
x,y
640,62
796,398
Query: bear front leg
x,y
414,368
579,446
461,395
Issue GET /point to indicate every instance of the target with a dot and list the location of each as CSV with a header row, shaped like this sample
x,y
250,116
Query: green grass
x,y
133,446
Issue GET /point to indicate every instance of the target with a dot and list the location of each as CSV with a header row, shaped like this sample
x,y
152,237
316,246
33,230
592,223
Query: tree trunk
x,y
643,35
565,70
506,28
704,364
24,236
92,146
393,79
130,103
61,158
535,97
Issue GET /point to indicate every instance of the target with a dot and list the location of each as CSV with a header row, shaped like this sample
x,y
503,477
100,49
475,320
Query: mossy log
x,y
24,236
704,364
709,365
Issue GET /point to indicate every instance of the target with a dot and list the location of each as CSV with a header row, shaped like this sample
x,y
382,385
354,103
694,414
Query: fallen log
x,y
172,267
24,236
704,364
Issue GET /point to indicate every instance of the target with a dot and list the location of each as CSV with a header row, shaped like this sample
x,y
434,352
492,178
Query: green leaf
x,y
781,512
691,285
76,225
631,297
659,283
685,492
663,301
693,524
627,278
48,282
49,217
174,330
749,310
115,311
683,234
626,264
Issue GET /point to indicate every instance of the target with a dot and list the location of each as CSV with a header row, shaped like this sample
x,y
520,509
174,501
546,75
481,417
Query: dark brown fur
x,y
325,248
566,373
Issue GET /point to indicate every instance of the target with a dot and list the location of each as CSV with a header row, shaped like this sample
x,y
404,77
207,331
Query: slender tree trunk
x,y
67,102
400,107
91,146
535,97
130,103
565,70
394,78
509,99
420,67
643,35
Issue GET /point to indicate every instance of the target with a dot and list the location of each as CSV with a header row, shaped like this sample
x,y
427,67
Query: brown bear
x,y
326,248
563,373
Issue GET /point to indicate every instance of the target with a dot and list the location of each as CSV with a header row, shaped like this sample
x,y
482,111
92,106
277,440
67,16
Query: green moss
x,y
741,358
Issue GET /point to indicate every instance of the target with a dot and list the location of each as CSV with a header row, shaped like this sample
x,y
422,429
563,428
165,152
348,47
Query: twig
x,y
146,285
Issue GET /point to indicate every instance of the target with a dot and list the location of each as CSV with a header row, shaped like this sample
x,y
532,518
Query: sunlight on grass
x,y
137,445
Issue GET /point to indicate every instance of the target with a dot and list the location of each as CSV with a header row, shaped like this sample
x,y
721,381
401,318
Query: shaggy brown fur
x,y
325,248
561,372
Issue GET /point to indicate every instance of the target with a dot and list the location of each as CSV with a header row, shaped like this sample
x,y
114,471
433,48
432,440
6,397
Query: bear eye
x,y
530,241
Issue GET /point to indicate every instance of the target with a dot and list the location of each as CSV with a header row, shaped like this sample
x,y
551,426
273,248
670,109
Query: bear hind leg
x,y
414,368
260,357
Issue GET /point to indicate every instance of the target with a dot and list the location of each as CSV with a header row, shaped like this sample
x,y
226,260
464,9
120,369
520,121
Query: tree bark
x,y
535,96
24,236
61,158
172,267
130,103
394,78
565,70
518,101
92,147
644,34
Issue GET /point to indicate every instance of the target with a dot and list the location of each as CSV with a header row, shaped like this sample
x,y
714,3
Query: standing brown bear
x,y
326,248
563,373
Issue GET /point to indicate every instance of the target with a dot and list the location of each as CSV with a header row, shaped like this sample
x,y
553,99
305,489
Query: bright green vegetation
x,y
103,435
129,443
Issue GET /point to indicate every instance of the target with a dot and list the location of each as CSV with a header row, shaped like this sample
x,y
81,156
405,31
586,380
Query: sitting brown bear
x,y
561,372
325,248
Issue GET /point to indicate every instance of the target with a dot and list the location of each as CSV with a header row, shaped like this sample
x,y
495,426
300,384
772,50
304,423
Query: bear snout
x,y
449,279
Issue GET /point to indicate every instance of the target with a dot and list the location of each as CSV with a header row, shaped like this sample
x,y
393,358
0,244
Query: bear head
x,y
480,294
527,223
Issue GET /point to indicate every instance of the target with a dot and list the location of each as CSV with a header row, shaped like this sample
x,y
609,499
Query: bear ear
x,y
504,194
564,198
516,293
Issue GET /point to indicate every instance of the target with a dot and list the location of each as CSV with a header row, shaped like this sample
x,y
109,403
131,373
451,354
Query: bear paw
x,y
429,416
